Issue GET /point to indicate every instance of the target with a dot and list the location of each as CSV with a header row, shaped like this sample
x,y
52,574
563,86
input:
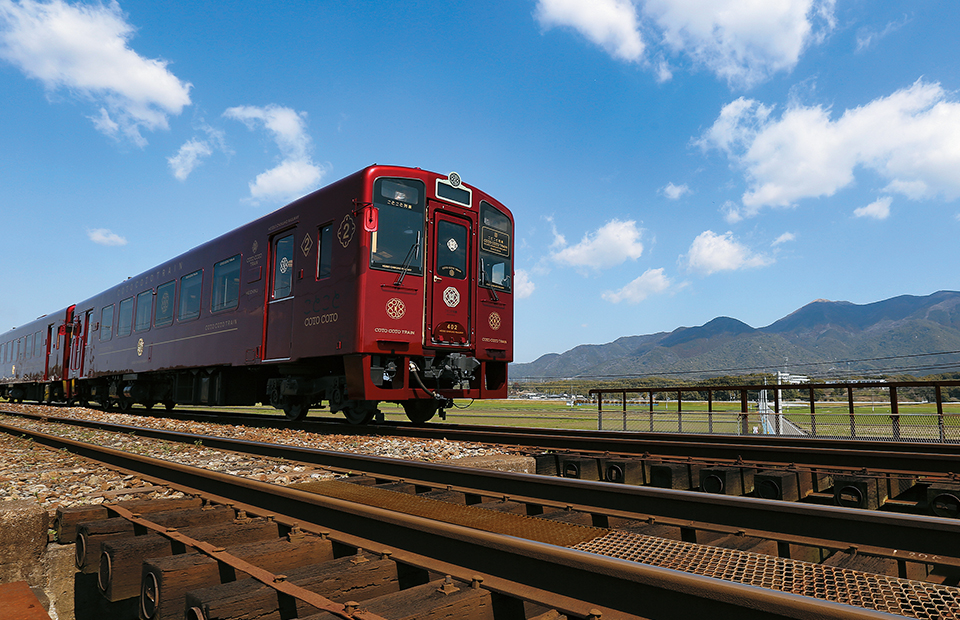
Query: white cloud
x,y
84,48
610,245
290,178
911,138
710,253
611,24
103,236
652,281
741,42
188,157
784,238
867,37
879,209
732,212
296,173
523,286
675,192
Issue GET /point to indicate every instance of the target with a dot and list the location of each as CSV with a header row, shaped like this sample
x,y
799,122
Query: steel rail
x,y
913,538
622,589
852,455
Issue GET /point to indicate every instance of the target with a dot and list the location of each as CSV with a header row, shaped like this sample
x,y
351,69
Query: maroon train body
x,y
393,284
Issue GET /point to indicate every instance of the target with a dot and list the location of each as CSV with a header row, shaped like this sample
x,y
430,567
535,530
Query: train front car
x,y
429,302
438,308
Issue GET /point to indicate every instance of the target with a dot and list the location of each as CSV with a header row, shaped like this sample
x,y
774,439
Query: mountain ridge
x,y
821,337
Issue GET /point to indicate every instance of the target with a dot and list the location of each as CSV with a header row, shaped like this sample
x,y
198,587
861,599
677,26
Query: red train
x,y
393,284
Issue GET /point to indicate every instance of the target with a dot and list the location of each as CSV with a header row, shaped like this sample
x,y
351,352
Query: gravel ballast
x,y
59,478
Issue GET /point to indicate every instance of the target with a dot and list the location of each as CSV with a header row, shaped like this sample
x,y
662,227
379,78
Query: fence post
x,y
744,419
813,413
651,411
624,410
853,422
679,412
600,411
710,411
777,417
940,425
894,413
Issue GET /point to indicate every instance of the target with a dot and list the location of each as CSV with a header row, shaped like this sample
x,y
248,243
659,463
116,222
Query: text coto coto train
x,y
393,284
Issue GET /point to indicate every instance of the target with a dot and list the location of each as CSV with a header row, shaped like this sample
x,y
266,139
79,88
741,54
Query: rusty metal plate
x,y
914,599
529,528
18,602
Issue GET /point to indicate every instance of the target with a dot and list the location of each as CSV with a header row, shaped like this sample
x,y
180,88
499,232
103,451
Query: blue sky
x,y
667,161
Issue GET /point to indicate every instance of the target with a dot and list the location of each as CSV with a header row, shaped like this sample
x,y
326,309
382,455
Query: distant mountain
x,y
821,337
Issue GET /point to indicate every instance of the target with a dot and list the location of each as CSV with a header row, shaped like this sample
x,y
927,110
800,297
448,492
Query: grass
x,y
832,419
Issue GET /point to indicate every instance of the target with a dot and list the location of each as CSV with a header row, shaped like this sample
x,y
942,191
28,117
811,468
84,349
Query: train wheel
x,y
360,412
295,408
419,411
169,405
125,404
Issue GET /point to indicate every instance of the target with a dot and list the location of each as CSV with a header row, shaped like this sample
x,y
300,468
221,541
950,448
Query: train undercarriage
x,y
423,386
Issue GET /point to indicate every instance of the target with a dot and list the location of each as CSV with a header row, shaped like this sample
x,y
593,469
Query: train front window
x,y
451,250
397,243
496,235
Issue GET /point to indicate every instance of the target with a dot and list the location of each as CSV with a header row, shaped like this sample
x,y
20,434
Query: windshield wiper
x,y
412,253
483,281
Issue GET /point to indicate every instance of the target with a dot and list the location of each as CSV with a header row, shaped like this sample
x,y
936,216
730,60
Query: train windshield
x,y
397,243
496,233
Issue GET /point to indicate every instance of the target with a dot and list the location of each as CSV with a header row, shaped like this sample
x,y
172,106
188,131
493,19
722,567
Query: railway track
x,y
657,531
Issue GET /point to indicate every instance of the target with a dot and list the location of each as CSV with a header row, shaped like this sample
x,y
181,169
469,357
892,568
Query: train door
x,y
49,349
448,288
78,350
278,309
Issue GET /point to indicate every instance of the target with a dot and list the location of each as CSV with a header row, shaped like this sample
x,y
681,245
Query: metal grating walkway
x,y
913,599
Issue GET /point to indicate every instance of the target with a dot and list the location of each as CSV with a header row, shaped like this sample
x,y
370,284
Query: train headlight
x,y
454,179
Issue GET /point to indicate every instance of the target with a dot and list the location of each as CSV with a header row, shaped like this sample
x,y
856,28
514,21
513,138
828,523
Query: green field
x,y
917,421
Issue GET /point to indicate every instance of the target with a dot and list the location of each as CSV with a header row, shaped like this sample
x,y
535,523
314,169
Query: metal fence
x,y
857,410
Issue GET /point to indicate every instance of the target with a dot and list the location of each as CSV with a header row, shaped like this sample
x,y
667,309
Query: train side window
x,y
283,268
106,323
325,252
37,345
165,295
496,233
125,317
28,347
226,284
190,288
144,311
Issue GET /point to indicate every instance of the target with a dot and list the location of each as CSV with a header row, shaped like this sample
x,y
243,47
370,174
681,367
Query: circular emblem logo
x,y
165,302
140,347
255,246
396,308
284,265
494,321
346,230
451,297
452,245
